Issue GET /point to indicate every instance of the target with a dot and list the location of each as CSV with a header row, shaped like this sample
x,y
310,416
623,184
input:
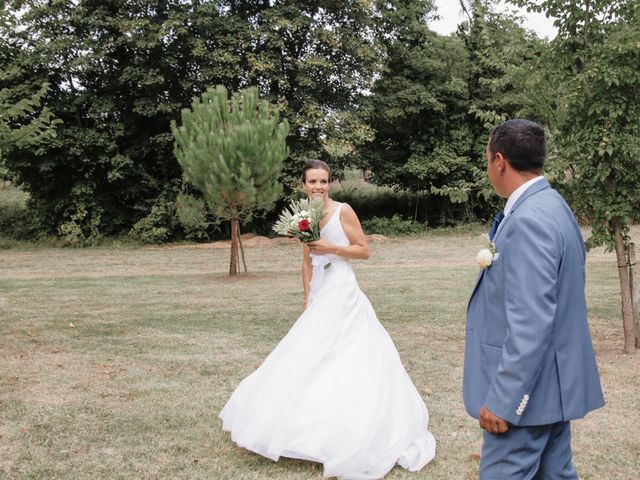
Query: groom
x,y
529,364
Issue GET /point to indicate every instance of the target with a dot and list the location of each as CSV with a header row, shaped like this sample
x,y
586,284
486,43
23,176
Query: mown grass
x,y
114,363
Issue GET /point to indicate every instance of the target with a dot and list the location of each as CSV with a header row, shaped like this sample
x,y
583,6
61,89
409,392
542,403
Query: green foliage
x,y
81,229
595,123
315,60
417,104
15,220
436,99
24,124
394,226
156,226
121,70
232,152
193,216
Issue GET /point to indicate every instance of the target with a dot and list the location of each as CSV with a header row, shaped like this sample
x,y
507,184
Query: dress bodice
x,y
333,231
331,267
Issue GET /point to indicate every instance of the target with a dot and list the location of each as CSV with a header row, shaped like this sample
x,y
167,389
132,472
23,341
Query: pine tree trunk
x,y
244,262
233,266
625,290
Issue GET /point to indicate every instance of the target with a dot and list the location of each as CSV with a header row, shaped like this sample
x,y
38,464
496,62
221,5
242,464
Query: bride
x,y
334,389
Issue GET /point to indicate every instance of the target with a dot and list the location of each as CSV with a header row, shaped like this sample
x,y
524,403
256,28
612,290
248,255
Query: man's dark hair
x,y
521,142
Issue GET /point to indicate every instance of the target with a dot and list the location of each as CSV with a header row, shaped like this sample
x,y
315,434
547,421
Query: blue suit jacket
x,y
528,355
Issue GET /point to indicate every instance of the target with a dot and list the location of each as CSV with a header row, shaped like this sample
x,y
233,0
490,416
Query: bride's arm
x,y
306,273
359,247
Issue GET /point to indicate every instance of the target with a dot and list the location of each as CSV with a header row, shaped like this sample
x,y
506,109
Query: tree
x,y
233,153
121,70
417,108
596,121
24,123
434,100
502,77
315,58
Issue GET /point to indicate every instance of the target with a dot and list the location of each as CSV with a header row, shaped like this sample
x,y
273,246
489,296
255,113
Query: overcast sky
x,y
452,15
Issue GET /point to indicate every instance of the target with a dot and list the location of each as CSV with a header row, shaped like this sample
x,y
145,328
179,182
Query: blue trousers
x,y
528,453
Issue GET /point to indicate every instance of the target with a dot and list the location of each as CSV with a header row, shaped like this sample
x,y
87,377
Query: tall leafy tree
x,y
233,153
435,99
418,107
114,73
121,70
595,122
315,58
503,74
24,123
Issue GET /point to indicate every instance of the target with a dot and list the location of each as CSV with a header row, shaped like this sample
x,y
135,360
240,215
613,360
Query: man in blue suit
x,y
529,364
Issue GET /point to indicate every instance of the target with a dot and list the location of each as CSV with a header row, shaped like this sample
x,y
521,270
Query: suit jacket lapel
x,y
532,190
475,288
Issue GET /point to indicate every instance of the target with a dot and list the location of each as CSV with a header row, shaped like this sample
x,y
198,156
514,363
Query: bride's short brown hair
x,y
311,164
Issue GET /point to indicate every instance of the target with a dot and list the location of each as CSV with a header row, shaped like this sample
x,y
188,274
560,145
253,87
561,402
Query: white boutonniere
x,y
486,256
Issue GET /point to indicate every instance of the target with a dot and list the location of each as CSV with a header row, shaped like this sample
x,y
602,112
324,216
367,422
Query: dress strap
x,y
336,212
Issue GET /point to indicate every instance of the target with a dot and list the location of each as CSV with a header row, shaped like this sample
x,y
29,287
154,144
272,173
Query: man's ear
x,y
502,162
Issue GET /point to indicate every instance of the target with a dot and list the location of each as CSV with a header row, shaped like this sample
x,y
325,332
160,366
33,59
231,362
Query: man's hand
x,y
492,423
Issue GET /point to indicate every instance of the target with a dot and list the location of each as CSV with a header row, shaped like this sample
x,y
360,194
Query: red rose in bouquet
x,y
304,225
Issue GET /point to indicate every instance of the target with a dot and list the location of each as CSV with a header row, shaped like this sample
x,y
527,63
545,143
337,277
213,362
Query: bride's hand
x,y
321,247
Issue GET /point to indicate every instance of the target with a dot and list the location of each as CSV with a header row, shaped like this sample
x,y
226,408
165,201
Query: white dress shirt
x,y
515,195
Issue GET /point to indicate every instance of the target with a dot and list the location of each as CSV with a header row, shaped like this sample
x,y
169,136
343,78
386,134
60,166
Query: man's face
x,y
491,167
495,169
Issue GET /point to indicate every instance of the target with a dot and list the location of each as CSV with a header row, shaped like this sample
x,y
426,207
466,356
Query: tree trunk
x,y
634,284
233,266
625,290
244,262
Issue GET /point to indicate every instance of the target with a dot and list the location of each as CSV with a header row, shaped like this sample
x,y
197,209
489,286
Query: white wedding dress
x,y
334,389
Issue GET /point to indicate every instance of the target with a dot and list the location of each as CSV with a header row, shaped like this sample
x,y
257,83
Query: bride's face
x,y
316,183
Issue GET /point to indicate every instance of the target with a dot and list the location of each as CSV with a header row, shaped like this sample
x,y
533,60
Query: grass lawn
x,y
114,363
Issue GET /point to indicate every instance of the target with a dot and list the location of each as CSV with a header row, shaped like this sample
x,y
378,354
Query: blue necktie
x,y
494,225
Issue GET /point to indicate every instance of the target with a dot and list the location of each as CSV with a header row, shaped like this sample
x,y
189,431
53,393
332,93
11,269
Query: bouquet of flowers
x,y
301,220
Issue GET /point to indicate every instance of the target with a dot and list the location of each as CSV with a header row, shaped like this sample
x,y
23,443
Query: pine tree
x,y
232,151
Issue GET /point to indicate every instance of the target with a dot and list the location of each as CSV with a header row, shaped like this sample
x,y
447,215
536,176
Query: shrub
x,y
151,229
396,225
16,222
82,228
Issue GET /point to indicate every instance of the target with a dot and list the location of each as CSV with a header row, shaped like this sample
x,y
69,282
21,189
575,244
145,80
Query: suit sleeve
x,y
531,256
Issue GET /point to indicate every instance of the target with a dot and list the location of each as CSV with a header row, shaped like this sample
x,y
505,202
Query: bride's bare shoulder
x,y
347,213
